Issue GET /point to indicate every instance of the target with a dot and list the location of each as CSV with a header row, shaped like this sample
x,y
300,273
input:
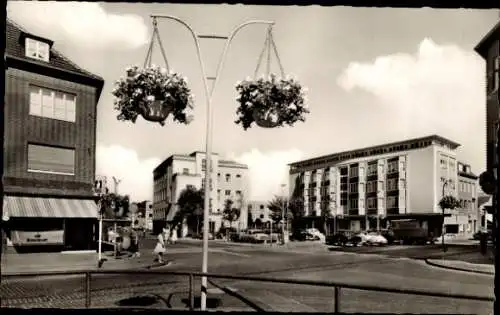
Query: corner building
x,y
228,180
49,147
367,188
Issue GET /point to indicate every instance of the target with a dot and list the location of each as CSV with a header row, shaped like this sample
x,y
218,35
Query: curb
x,y
458,268
89,268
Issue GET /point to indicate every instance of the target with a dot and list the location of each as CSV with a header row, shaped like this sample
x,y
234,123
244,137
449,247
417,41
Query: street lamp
x,y
283,213
208,130
445,183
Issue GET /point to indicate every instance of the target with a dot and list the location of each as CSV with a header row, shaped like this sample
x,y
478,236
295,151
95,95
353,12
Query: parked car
x,y
389,235
298,235
339,239
375,239
316,234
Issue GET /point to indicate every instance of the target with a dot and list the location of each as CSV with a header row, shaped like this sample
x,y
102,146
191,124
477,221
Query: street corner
x,y
461,266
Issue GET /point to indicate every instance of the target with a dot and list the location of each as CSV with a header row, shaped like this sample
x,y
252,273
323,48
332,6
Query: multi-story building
x,y
229,180
467,221
489,49
367,188
259,212
49,148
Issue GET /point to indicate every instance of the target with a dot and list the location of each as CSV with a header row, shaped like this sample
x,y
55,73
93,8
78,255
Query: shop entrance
x,y
79,234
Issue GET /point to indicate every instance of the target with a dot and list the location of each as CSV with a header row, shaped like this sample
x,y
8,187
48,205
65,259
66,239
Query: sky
x,y
374,75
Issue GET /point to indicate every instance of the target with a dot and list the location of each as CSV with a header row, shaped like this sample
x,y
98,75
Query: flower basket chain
x,y
153,92
271,100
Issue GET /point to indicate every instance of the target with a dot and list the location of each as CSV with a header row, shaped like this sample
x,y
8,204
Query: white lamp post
x,y
208,130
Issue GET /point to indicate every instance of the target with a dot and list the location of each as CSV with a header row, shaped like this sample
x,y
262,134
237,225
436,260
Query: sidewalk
x,y
459,265
13,263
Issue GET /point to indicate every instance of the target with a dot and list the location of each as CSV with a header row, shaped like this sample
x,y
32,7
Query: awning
x,y
40,207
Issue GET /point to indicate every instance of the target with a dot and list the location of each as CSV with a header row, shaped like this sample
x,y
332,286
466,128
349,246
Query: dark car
x,y
339,239
389,236
299,235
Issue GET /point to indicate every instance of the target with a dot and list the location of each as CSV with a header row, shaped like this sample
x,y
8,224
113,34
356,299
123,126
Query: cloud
x,y
439,89
136,175
85,25
267,171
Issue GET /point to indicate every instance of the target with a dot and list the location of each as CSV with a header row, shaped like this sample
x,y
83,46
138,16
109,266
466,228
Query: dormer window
x,y
37,49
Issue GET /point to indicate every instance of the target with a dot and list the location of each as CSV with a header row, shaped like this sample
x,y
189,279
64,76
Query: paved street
x,y
315,262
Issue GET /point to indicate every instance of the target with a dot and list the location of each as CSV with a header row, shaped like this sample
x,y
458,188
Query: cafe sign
x,y
38,237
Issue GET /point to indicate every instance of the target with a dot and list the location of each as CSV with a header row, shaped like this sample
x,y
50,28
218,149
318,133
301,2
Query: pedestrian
x,y
160,246
173,236
135,244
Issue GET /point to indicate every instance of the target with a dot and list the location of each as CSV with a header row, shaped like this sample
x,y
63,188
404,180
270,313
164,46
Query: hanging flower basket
x,y
270,102
153,93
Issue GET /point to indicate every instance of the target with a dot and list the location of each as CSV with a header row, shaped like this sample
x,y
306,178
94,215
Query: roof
x,y
485,43
438,138
15,48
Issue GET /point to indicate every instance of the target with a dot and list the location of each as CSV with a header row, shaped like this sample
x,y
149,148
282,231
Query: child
x,y
160,246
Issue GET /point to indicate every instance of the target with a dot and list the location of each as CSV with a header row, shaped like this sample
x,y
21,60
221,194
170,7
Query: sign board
x,y
21,238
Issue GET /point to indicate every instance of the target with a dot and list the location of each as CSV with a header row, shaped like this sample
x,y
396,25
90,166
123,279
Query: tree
x,y
114,206
190,207
230,213
276,207
449,202
326,215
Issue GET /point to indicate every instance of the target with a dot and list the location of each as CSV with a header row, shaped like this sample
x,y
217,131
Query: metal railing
x,y
337,286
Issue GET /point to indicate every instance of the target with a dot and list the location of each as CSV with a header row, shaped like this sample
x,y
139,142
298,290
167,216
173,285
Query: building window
x,y
353,187
52,104
37,50
371,187
343,171
353,204
392,202
493,76
443,164
261,208
392,167
53,160
372,169
392,184
353,171
228,177
371,203
238,176
185,171
227,193
238,193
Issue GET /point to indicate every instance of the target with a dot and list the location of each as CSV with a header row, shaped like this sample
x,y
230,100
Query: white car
x,y
316,234
375,239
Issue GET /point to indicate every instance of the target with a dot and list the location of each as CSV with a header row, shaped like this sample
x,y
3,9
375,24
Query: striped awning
x,y
40,207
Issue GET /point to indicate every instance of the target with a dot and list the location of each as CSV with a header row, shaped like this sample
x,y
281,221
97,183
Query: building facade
x,y
259,213
49,148
468,218
367,188
228,181
489,49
